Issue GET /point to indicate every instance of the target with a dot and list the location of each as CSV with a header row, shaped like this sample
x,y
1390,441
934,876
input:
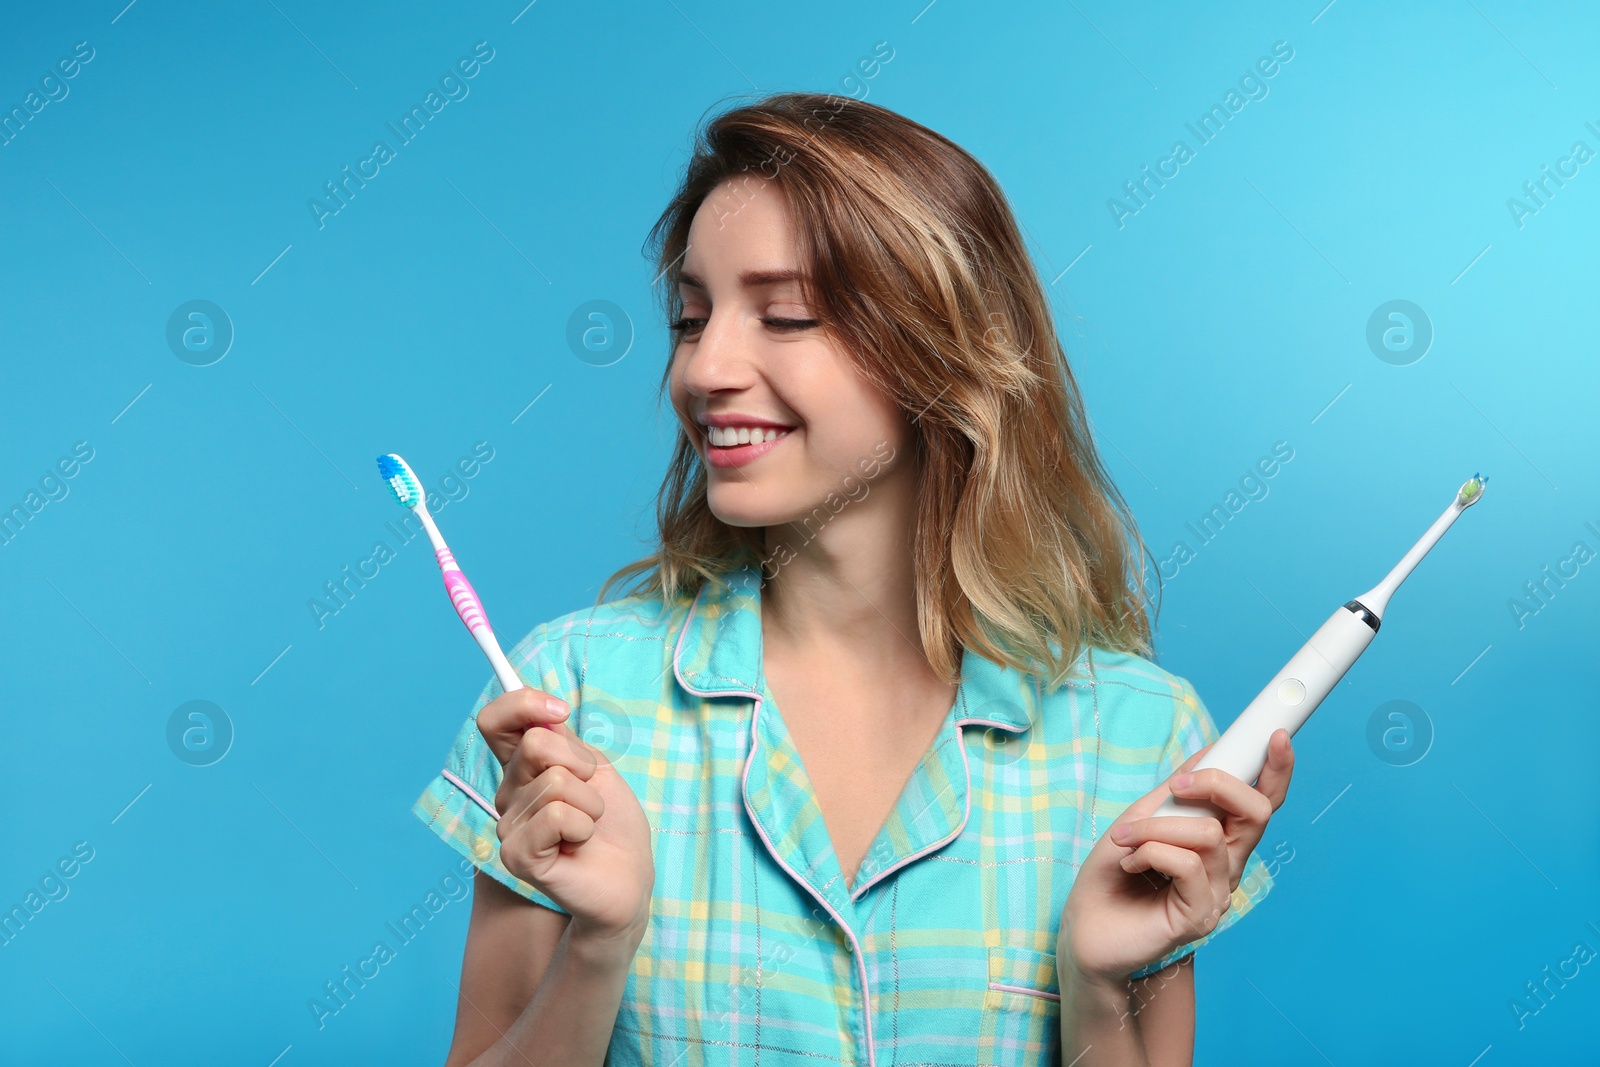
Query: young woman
x,y
885,516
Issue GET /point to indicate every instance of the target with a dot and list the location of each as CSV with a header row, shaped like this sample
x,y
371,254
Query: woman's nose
x,y
717,359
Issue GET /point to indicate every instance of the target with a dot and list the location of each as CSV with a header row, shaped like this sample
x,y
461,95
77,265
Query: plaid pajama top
x,y
756,951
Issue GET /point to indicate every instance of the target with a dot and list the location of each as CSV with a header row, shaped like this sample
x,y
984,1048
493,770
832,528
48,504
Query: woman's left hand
x,y
1121,913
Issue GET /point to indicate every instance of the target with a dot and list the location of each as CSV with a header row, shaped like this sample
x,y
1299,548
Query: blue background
x,y
1229,313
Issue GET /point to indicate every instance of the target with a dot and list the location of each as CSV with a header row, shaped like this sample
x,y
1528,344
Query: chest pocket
x,y
1022,979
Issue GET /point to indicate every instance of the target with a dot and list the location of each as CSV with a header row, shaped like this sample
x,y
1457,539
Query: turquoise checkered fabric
x,y
757,952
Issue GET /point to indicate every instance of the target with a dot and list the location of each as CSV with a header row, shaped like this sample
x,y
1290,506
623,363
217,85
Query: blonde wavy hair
x,y
1024,549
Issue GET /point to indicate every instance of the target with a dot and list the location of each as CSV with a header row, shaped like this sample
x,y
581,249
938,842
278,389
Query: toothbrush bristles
x,y
402,483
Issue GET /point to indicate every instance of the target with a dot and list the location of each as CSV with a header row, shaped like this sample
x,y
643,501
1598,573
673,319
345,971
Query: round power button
x,y
1291,691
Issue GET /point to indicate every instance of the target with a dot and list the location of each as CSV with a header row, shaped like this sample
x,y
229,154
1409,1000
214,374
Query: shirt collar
x,y
718,653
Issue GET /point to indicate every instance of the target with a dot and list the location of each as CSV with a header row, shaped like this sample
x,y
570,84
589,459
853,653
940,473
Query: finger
x,y
1244,808
1182,830
537,751
555,784
554,824
507,717
1152,800
1203,899
1203,836
1274,780
1194,757
557,746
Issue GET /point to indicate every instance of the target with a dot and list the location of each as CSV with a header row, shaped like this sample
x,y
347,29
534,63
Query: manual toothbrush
x,y
408,492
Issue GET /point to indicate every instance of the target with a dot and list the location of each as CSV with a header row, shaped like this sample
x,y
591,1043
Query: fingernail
x,y
1182,781
1121,833
557,706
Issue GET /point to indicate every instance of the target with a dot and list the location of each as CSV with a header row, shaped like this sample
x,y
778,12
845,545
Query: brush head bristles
x,y
1471,491
402,482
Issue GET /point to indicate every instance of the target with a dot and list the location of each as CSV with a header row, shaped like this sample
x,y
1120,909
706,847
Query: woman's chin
x,y
745,517
748,512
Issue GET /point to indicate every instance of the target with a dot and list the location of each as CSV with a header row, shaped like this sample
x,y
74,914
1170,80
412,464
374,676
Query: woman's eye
x,y
688,324
790,324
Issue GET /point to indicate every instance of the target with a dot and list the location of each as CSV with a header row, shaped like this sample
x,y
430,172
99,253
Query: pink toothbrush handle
x,y
465,600
462,596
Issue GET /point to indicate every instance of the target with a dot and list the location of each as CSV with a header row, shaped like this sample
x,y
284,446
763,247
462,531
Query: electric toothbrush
x,y
1311,673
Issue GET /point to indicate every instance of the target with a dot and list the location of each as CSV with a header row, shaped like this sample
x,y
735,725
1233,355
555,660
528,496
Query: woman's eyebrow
x,y
750,279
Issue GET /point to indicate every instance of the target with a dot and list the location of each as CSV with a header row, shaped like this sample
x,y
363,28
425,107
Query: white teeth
x,y
728,436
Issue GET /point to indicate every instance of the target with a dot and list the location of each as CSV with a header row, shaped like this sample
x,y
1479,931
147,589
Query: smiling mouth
x,y
734,446
733,436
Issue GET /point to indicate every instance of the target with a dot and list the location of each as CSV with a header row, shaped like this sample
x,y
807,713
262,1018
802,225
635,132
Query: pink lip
x,y
739,455
724,419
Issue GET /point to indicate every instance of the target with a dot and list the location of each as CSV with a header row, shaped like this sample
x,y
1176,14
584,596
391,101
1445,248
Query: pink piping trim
x,y
966,812
467,789
677,649
744,781
1024,990
861,963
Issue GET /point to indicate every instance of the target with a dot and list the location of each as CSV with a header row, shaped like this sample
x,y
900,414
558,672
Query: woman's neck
x,y
847,588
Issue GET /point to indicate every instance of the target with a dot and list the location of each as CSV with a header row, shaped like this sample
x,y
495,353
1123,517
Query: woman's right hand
x,y
570,826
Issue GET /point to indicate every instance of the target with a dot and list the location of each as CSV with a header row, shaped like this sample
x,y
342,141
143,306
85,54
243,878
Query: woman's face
x,y
783,421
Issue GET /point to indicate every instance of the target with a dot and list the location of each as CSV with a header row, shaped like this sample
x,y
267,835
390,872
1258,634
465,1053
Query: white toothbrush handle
x,y
497,659
1286,702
